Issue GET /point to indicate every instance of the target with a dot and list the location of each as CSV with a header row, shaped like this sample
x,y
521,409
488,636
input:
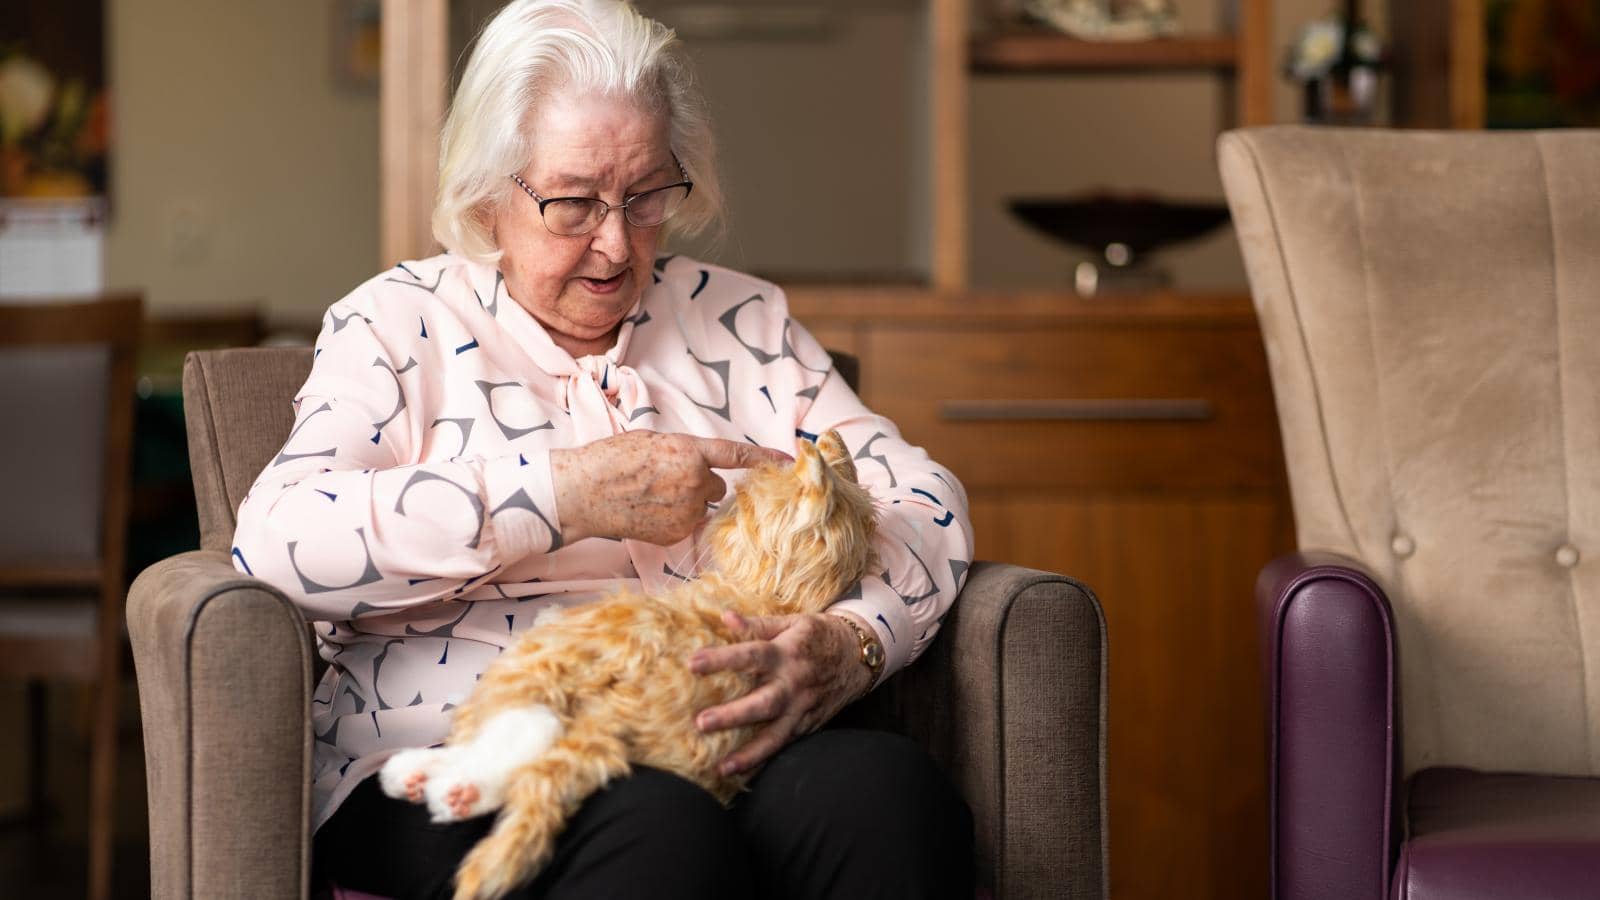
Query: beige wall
x,y
242,171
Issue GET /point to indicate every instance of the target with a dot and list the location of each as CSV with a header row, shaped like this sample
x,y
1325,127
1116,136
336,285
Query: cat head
x,y
801,532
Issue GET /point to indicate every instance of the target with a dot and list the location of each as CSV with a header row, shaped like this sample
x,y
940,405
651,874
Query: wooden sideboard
x,y
1130,443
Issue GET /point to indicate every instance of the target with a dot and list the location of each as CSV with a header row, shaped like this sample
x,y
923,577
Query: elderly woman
x,y
540,415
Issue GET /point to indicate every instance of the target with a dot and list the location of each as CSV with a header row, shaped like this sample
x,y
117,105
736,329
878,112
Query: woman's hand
x,y
808,667
645,485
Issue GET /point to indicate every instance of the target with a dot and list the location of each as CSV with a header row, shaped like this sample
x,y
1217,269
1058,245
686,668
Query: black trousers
x,y
841,813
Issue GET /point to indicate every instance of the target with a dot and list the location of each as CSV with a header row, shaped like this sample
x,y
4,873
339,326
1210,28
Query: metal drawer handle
x,y
1178,409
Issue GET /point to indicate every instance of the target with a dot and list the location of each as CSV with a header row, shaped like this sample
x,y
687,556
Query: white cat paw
x,y
406,773
452,796
549,614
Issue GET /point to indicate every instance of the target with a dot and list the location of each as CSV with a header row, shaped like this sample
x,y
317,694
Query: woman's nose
x,y
610,237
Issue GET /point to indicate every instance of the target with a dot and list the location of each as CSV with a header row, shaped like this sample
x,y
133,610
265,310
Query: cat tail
x,y
540,797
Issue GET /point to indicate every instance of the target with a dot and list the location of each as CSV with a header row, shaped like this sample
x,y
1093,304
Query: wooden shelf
x,y
1020,52
814,304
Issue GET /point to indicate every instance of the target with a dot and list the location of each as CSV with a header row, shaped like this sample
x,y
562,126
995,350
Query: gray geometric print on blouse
x,y
721,368
284,455
369,575
417,282
788,350
400,393
730,321
466,431
511,434
377,673
958,568
448,629
339,324
472,498
866,453
909,600
521,500
494,296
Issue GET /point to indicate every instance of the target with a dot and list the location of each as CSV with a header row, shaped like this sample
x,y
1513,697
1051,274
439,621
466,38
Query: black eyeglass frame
x,y
606,208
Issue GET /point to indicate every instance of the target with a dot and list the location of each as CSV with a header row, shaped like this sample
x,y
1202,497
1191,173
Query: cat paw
x,y
452,797
405,775
549,614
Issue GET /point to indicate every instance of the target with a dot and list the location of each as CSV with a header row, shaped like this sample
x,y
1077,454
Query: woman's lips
x,y
604,286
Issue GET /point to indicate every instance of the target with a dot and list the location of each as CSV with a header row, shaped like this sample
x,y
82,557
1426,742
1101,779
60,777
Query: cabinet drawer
x,y
1087,406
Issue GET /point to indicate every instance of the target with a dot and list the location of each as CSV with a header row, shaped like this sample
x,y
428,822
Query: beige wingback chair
x,y
1010,698
1431,309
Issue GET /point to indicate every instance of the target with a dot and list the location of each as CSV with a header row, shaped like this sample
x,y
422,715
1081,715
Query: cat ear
x,y
837,454
808,462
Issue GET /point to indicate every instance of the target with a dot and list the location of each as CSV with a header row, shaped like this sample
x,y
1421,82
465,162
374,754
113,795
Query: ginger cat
x,y
597,687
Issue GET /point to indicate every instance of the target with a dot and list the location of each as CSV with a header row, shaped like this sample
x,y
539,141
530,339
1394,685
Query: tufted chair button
x,y
1567,556
1403,546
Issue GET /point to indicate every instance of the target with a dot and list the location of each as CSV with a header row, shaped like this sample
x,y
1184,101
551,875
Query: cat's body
x,y
598,687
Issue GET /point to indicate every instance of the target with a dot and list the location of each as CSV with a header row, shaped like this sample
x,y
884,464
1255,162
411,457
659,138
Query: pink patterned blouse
x,y
411,514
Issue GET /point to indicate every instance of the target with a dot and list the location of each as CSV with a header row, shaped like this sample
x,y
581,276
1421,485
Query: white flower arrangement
x,y
1321,42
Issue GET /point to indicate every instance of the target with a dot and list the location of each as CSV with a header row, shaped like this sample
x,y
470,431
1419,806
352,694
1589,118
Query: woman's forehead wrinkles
x,y
575,181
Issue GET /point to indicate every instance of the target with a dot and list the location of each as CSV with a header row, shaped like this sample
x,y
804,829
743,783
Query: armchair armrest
x,y
1011,700
1328,667
224,669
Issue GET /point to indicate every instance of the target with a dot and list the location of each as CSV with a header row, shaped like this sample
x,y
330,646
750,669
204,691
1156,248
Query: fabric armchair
x,y
1429,303
1010,699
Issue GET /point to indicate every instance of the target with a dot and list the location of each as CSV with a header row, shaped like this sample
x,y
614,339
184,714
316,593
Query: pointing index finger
x,y
724,454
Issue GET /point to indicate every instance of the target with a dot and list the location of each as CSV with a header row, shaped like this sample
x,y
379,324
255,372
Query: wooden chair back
x,y
66,402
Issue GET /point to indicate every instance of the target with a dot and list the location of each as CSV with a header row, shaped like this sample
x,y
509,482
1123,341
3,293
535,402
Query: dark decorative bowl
x,y
1095,221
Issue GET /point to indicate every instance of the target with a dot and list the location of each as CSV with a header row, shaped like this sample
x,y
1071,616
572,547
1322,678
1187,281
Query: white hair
x,y
528,51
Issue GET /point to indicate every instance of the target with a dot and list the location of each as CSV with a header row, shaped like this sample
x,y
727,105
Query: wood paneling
x,y
1167,521
1257,63
1096,406
1468,73
1040,50
947,141
1438,63
1186,748
411,106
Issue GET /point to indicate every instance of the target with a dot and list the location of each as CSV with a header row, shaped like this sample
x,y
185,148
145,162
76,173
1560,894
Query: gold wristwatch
x,y
872,654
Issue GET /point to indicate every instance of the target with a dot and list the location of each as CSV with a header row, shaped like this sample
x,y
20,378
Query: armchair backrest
x,y
238,409
1430,304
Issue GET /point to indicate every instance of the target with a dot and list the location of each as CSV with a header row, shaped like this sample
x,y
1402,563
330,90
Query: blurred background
x,y
224,162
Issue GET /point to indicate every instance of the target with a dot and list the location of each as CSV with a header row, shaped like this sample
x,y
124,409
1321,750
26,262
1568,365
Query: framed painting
x,y
54,117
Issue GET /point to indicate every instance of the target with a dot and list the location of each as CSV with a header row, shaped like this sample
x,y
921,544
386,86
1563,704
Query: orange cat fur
x,y
597,687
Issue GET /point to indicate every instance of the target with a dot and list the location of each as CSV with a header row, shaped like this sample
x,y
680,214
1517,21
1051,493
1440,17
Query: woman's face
x,y
580,287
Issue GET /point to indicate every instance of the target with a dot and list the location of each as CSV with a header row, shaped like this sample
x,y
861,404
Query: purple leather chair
x,y
1431,307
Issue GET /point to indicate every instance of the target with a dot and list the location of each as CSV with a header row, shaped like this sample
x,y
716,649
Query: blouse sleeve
x,y
346,525
924,539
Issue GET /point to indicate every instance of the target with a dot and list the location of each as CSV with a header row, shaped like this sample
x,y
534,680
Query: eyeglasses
x,y
569,216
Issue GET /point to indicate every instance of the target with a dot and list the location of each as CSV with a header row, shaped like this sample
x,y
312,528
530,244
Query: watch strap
x,y
872,652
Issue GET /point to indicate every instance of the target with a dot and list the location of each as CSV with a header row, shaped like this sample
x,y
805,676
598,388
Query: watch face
x,y
874,654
